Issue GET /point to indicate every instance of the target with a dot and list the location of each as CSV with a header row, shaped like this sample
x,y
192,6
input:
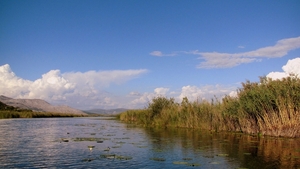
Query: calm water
x,y
42,143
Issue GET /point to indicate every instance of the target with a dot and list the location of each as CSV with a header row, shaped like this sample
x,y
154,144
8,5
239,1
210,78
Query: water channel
x,y
109,143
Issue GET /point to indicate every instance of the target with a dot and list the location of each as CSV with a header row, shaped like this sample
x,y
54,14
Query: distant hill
x,y
105,111
38,105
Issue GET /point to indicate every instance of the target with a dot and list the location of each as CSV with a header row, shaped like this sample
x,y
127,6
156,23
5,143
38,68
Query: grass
x,y
268,107
5,114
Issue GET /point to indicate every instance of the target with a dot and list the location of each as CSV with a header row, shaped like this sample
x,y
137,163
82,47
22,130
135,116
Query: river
x,y
107,143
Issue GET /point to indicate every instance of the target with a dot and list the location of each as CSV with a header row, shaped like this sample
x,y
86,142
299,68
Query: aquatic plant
x,y
91,147
4,114
157,159
269,107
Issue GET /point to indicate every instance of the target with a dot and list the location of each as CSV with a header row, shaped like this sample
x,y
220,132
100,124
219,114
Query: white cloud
x,y
227,60
193,93
206,92
147,97
159,53
77,89
161,91
156,53
135,93
291,68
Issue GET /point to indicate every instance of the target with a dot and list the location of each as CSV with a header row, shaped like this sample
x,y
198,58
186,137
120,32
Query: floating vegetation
x,y
223,155
123,157
193,164
87,139
91,147
187,159
247,153
88,159
64,140
214,162
157,159
180,162
109,135
157,150
108,156
116,147
106,138
120,142
107,149
142,146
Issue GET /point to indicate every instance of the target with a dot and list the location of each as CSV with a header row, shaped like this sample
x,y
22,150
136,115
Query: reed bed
x,y
29,114
268,107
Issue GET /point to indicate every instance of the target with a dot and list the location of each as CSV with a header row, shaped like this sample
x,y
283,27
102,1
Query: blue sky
x,y
108,54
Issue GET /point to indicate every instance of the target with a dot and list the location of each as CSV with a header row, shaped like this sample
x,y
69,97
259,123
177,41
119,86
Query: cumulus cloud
x,y
161,91
291,68
193,93
74,88
227,60
148,96
206,92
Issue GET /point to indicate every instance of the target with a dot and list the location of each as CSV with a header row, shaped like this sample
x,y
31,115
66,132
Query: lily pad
x,y
123,157
108,156
158,159
87,139
214,162
64,140
180,162
91,147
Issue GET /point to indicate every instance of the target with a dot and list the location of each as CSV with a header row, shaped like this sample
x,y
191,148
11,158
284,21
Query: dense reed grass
x,y
29,114
268,107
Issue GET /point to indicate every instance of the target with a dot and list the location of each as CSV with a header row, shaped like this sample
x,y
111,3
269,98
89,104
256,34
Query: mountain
x,y
38,105
106,111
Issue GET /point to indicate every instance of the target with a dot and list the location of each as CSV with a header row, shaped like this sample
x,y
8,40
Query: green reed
x,y
268,107
4,114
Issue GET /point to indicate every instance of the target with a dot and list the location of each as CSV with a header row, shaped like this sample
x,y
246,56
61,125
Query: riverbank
x,y
30,114
268,107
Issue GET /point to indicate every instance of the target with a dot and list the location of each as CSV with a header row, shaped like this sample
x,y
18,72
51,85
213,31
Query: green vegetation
x,y
13,112
270,107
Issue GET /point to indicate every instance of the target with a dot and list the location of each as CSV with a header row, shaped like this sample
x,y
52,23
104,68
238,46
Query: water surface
x,y
64,143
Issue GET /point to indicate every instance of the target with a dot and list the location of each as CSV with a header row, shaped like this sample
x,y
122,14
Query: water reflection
x,y
238,149
39,143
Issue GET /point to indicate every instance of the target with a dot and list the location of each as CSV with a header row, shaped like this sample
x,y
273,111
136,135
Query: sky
x,y
121,53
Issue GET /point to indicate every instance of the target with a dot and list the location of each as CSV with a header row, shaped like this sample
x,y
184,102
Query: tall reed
x,y
267,107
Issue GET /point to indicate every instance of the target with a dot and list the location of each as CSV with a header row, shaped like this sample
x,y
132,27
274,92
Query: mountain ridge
x,y
38,105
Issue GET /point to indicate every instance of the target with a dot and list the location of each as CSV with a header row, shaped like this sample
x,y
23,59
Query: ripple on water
x,y
39,143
